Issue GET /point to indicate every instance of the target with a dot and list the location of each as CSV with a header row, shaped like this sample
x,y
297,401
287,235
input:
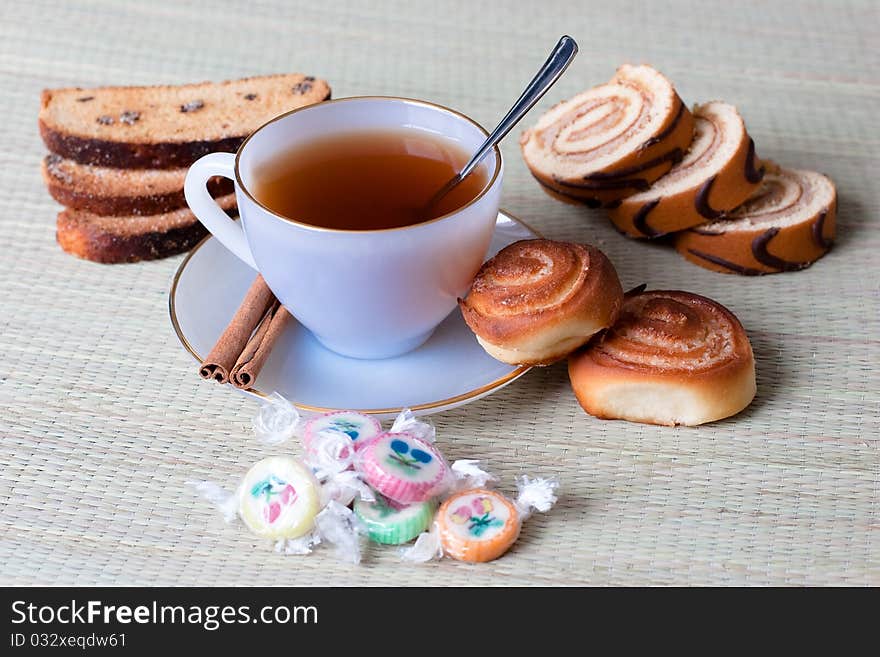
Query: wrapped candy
x,y
479,524
403,467
390,524
358,427
280,499
327,440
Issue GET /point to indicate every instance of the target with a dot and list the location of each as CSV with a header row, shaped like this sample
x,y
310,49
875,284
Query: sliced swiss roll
x,y
610,141
717,174
788,224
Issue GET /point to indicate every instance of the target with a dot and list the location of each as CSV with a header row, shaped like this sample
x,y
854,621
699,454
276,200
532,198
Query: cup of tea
x,y
333,200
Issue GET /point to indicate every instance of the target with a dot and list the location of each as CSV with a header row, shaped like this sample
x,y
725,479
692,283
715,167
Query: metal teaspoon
x,y
548,74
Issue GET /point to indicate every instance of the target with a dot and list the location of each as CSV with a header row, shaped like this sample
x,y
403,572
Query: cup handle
x,y
229,232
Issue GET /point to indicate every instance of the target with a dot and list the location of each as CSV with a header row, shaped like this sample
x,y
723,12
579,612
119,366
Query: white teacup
x,y
362,293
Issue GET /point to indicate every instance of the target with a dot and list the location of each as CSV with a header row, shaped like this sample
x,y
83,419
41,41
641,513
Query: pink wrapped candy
x,y
403,468
359,427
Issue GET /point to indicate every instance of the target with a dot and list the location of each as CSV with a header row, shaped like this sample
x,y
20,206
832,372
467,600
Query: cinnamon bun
x,y
788,224
538,300
671,358
610,141
718,173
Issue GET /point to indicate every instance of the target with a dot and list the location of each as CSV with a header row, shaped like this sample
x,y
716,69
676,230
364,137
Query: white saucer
x,y
449,370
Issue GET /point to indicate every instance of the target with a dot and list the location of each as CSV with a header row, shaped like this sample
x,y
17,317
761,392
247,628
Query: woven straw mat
x,y
103,417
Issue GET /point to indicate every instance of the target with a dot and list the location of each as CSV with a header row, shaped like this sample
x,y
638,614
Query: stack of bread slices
x,y
119,155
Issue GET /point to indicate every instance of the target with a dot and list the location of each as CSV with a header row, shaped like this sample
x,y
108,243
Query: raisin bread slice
x,y
133,238
165,127
110,191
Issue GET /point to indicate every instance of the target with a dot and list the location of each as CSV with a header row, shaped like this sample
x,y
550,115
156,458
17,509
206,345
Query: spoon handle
x,y
555,65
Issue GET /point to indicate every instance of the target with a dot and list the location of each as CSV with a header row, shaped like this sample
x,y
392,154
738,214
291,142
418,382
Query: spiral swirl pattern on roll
x,y
534,277
672,332
672,357
718,173
610,141
537,300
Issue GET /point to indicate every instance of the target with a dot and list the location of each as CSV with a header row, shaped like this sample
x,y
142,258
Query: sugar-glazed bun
x,y
538,300
671,358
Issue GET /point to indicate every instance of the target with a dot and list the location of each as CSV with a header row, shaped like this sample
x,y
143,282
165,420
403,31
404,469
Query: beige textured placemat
x,y
103,417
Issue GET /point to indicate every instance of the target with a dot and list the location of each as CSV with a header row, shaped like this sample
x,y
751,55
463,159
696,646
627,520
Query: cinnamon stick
x,y
258,348
220,361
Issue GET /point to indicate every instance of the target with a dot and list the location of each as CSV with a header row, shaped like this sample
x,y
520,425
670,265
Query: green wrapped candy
x,y
394,526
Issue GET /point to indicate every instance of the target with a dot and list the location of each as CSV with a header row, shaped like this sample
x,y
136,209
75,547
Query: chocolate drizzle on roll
x,y
759,250
589,201
640,220
818,229
673,156
638,184
663,134
753,174
732,266
618,179
701,201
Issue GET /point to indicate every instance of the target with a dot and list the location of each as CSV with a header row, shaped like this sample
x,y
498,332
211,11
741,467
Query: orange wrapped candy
x,y
480,524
